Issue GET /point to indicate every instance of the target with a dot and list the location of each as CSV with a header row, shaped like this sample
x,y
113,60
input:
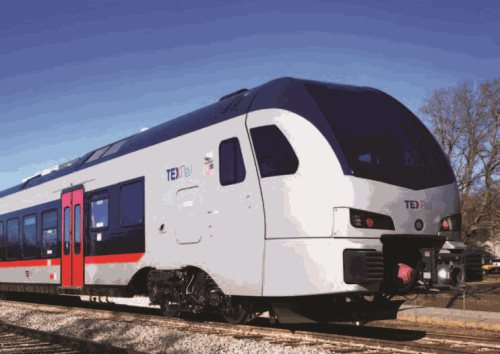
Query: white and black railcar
x,y
294,195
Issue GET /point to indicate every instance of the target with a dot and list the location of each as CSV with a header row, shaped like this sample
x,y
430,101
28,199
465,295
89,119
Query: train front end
x,y
402,191
372,208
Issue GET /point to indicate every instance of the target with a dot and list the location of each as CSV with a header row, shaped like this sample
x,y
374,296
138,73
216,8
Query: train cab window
x,y
49,233
13,239
2,242
30,240
132,204
99,211
231,166
275,155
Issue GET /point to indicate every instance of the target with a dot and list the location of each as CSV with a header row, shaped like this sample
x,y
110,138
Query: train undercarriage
x,y
408,264
193,291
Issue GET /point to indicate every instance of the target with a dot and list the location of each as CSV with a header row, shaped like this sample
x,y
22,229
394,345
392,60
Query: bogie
x,y
193,291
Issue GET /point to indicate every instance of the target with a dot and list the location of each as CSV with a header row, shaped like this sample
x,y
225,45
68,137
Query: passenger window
x,y
99,213
49,233
77,231
13,239
275,155
132,204
67,230
231,166
30,242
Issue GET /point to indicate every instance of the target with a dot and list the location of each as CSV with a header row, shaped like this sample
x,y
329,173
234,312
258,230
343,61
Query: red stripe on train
x,y
114,258
31,263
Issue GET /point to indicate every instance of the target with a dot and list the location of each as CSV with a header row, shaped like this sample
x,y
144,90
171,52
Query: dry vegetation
x,y
464,119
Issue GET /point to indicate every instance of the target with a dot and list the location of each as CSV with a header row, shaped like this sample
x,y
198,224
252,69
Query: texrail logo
x,y
418,204
182,171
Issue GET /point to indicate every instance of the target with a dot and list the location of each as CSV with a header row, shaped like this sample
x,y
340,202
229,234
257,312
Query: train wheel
x,y
237,311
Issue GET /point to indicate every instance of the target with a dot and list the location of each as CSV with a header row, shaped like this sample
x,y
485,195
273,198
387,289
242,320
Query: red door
x,y
72,238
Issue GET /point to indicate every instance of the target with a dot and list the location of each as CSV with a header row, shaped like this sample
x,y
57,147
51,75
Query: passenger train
x,y
304,197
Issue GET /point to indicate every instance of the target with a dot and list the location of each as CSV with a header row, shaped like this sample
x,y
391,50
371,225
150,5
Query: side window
x,y
99,212
132,204
2,242
30,244
231,166
49,233
13,239
275,155
78,230
67,230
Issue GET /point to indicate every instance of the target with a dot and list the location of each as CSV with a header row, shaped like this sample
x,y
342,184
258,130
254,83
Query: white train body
x,y
254,229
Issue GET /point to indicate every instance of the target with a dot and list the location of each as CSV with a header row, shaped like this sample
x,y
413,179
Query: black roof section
x,y
286,93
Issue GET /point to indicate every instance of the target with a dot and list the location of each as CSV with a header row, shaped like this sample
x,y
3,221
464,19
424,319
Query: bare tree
x,y
465,120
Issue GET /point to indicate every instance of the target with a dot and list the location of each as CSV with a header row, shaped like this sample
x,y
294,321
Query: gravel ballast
x,y
161,336
142,330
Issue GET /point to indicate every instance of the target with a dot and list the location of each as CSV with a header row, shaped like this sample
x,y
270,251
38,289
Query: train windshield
x,y
381,139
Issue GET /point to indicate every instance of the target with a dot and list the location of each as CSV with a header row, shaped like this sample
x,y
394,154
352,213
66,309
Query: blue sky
x,y
76,75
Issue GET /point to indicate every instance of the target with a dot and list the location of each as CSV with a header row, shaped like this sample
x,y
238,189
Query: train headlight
x,y
450,274
451,223
367,220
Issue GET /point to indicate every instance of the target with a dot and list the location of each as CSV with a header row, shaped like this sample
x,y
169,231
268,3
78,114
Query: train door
x,y
72,238
235,239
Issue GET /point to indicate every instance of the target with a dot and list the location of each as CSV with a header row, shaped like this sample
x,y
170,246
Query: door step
x,y
70,290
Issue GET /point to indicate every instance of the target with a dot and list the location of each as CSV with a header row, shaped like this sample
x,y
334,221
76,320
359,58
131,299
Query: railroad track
x,y
404,340
331,337
16,339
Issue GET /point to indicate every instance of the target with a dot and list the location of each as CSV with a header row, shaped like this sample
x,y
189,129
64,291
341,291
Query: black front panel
x,y
115,219
381,139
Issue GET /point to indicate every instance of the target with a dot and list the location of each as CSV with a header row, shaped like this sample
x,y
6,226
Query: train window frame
x,y
24,244
99,197
7,246
288,164
238,174
142,203
54,251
